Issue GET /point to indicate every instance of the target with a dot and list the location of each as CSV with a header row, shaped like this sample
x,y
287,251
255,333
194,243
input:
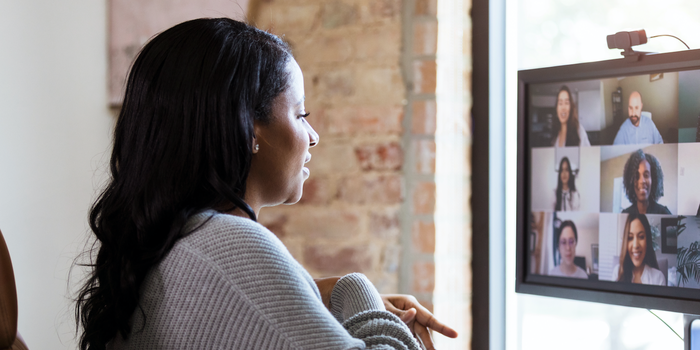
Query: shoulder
x,y
646,120
656,208
580,273
583,136
629,209
654,276
555,271
616,271
236,247
223,232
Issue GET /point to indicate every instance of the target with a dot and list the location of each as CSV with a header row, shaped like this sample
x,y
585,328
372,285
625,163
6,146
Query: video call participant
x,y
568,198
567,236
637,129
637,258
566,126
644,184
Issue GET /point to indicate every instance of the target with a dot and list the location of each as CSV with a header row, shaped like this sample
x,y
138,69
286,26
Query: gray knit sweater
x,y
231,284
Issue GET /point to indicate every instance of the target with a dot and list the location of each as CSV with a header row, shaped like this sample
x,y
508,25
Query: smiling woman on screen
x,y
637,257
644,184
567,128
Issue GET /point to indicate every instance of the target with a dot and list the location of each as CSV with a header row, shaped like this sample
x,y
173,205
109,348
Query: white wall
x,y
54,132
688,175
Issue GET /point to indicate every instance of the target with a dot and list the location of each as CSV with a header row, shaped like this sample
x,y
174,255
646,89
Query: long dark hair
x,y
182,143
631,175
560,185
572,137
626,265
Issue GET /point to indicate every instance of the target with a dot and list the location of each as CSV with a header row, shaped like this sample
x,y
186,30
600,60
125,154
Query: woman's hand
x,y
325,286
418,319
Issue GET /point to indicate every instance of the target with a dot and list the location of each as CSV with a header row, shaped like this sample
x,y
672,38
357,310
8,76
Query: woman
x,y
567,236
568,198
644,184
212,129
567,128
637,258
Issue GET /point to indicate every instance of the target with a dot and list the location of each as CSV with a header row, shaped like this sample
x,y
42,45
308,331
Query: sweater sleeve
x,y
233,285
358,306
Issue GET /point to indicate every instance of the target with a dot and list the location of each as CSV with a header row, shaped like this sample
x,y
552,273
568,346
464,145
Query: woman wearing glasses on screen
x,y
644,184
568,198
567,238
567,129
637,258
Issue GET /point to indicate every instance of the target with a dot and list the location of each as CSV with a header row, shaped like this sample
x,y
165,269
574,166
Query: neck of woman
x,y
637,273
642,206
562,135
564,187
567,269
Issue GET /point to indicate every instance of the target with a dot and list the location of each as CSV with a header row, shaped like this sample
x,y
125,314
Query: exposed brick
x,y
334,83
372,189
391,258
328,223
382,156
424,76
331,158
379,85
319,49
386,8
318,190
423,277
424,198
425,156
377,120
423,234
338,261
424,117
384,225
381,43
281,19
426,8
425,38
338,13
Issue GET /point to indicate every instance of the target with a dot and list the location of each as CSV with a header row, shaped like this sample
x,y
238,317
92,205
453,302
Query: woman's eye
x,y
303,115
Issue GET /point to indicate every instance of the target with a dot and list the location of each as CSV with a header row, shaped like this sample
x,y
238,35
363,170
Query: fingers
x,y
427,319
406,316
423,334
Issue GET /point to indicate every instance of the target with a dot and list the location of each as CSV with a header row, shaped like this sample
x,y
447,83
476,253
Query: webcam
x,y
625,41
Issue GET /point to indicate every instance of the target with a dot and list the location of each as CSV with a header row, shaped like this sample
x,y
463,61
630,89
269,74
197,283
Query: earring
x,y
256,148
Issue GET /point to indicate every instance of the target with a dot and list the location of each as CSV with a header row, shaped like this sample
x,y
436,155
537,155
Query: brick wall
x,y
349,218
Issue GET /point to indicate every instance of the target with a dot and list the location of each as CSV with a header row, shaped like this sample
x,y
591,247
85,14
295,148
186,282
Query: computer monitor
x,y
608,202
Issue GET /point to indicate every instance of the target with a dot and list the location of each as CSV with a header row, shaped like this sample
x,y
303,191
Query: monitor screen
x,y
609,182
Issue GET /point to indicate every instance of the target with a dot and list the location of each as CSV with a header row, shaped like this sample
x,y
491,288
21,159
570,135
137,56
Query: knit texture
x,y
231,284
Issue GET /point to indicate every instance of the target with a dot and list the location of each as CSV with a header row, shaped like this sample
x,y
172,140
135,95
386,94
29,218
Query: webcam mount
x,y
625,41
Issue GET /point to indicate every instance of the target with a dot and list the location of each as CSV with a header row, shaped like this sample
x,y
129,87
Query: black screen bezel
x,y
624,294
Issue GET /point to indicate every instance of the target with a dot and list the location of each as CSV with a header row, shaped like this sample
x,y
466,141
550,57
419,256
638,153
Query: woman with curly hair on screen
x,y
637,257
644,184
212,129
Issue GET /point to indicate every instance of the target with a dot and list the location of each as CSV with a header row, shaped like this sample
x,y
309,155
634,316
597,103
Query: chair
x,y
9,337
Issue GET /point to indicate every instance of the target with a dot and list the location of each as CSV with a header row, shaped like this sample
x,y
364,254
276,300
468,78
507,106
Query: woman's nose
x,y
313,136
